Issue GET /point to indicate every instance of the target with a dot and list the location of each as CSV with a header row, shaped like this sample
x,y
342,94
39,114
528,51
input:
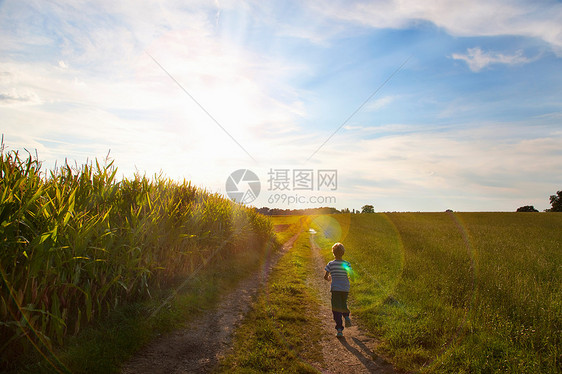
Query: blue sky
x,y
471,122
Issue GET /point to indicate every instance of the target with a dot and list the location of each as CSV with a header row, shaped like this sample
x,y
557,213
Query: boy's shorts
x,y
339,301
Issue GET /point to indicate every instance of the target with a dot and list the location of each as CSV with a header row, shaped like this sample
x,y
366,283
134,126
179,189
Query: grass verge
x,y
281,333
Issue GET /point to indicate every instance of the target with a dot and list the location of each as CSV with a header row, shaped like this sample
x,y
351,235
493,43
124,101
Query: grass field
x,y
457,292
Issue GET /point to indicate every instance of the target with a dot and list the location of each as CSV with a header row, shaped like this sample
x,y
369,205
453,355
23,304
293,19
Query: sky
x,y
405,105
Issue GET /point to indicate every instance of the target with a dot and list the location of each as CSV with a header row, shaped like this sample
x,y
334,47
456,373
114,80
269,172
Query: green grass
x,y
282,332
462,292
286,227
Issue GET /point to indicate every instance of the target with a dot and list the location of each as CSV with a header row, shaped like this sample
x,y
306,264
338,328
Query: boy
x,y
337,272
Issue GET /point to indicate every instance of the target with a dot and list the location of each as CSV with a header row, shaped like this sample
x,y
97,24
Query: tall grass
x,y
75,243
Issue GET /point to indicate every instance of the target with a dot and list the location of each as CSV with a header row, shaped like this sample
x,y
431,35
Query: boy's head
x,y
338,250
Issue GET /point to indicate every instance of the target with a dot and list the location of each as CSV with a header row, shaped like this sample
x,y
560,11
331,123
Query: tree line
x,y
555,202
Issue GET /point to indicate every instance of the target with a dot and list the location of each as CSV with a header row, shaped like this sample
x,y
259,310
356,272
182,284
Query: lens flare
x,y
332,228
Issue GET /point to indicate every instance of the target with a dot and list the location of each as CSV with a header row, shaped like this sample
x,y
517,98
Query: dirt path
x,y
354,353
199,348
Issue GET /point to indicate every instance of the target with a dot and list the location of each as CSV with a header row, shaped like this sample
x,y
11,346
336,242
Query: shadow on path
x,y
368,359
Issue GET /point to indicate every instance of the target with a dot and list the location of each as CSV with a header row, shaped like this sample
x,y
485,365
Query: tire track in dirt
x,y
200,347
355,352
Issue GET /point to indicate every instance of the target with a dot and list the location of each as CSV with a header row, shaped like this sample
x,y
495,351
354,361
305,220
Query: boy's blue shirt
x,y
339,270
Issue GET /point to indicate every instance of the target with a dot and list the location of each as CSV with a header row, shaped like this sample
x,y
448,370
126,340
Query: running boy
x,y
338,272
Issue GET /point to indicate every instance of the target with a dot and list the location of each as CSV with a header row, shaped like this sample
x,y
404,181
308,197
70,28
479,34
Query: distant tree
x,y
556,202
367,209
527,208
297,212
265,210
449,211
345,210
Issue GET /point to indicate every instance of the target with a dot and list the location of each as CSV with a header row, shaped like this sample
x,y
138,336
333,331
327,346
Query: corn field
x,y
75,243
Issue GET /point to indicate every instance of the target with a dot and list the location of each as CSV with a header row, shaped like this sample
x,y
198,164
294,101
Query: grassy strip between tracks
x,y
282,332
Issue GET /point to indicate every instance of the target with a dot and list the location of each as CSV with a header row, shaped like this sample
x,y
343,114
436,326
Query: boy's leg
x,y
338,319
344,296
339,308
344,307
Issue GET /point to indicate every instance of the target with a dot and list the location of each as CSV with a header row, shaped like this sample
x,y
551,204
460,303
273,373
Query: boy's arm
x,y
350,273
327,276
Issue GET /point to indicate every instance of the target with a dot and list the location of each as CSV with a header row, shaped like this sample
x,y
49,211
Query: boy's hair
x,y
338,250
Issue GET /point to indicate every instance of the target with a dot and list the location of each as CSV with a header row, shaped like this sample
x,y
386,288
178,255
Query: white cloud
x,y
380,103
478,59
19,97
391,128
490,166
539,19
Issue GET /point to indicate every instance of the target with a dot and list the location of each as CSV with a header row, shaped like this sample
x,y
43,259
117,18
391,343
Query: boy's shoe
x,y
340,334
348,322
